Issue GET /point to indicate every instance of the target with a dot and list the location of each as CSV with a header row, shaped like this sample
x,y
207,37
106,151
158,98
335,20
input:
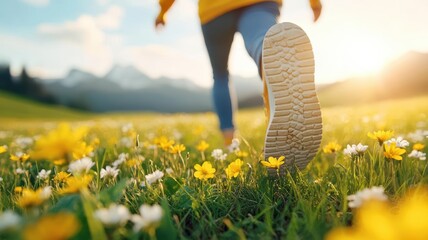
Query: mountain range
x,y
125,88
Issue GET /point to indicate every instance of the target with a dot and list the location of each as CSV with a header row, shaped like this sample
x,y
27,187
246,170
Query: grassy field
x,y
300,205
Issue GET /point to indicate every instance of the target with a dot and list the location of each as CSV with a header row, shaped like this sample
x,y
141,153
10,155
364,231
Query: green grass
x,y
300,205
13,106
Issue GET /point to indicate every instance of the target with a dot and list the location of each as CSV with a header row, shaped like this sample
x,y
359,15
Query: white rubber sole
x,y
295,124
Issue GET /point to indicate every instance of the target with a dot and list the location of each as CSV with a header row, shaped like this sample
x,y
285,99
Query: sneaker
x,y
294,116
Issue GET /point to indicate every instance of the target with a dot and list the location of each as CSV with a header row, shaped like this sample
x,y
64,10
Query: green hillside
x,y
12,106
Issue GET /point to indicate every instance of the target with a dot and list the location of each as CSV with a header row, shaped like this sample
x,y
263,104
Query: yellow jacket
x,y
210,9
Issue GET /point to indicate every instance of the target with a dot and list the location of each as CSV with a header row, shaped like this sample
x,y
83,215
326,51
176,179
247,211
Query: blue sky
x,y
50,37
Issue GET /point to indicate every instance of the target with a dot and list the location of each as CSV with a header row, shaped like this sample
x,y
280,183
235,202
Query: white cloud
x,y
111,19
37,2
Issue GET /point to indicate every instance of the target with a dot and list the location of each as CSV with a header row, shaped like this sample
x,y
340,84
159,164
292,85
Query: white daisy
x,y
418,154
109,172
43,174
81,166
153,177
374,193
149,216
218,154
399,142
8,220
115,215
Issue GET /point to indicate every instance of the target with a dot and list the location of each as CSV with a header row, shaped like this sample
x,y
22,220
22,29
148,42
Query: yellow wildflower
x,y
32,198
274,162
177,148
332,147
18,189
412,215
61,177
380,136
241,154
59,144
84,150
204,172
3,149
234,168
164,142
60,226
393,152
378,220
95,142
134,162
22,157
202,146
418,146
76,184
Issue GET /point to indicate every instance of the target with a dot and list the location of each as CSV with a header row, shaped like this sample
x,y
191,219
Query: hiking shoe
x,y
294,124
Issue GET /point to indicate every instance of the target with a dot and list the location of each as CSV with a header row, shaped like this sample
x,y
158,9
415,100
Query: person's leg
x,y
253,24
218,36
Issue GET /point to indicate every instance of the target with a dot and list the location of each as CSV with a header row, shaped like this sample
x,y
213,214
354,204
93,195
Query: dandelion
x,y
80,166
61,177
154,177
418,154
234,169
8,220
114,216
241,154
332,147
32,198
3,149
418,146
18,189
359,198
202,146
399,142
59,144
84,150
109,173
169,171
218,155
43,174
176,149
234,146
393,152
148,219
164,142
135,162
53,227
204,172
76,184
380,136
274,162
19,156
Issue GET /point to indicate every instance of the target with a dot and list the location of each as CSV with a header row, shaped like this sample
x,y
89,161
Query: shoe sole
x,y
295,124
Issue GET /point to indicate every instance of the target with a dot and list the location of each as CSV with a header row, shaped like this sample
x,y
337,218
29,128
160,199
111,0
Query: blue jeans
x,y
252,22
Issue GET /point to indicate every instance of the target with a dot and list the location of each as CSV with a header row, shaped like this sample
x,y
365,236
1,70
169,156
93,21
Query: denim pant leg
x,y
254,22
218,36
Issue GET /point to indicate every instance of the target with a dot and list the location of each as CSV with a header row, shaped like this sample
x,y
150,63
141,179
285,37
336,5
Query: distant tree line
x,y
24,85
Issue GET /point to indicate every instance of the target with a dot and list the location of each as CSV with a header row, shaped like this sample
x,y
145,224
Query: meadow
x,y
71,175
